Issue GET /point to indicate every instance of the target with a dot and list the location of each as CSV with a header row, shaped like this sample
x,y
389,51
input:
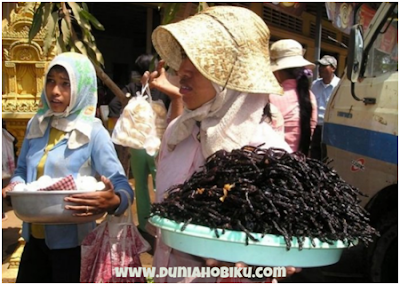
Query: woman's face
x,y
58,89
196,90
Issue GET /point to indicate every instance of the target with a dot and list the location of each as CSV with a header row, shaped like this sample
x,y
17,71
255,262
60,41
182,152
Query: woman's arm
x,y
113,198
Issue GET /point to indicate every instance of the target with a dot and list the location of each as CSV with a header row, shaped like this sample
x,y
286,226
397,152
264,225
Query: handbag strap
x,y
129,209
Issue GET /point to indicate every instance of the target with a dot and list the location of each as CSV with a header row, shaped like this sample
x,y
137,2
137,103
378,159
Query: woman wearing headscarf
x,y
221,58
64,138
298,105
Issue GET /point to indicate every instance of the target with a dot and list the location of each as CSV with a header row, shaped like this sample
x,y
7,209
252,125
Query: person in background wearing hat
x,y
225,78
322,88
298,105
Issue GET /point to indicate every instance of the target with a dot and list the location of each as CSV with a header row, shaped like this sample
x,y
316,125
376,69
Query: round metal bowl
x,y
270,250
46,207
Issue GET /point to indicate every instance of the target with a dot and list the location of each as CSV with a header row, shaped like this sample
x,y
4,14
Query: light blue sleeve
x,y
105,162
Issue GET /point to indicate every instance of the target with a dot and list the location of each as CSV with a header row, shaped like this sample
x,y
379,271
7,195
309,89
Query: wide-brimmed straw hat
x,y
227,44
288,54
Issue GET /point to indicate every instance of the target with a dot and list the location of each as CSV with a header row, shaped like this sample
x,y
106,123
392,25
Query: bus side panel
x,y
365,173
362,139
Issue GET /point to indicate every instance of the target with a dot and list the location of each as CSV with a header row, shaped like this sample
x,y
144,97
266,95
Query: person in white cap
x,y
322,88
225,78
298,105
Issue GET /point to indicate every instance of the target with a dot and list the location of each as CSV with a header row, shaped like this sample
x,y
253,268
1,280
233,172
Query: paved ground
x,y
12,243
10,234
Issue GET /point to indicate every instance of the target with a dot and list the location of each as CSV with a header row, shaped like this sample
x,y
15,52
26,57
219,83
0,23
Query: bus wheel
x,y
383,253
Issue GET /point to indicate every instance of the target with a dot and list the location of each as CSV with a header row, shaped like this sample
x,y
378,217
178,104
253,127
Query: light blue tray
x,y
270,250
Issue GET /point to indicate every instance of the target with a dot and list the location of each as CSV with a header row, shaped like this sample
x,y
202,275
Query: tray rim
x,y
267,240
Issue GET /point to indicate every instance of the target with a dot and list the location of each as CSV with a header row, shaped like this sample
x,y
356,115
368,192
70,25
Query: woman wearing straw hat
x,y
221,58
298,105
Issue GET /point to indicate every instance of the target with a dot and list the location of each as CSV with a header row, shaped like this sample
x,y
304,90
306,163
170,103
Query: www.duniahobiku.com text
x,y
201,272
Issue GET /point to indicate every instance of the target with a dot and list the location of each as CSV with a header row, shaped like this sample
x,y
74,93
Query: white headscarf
x,y
227,122
80,114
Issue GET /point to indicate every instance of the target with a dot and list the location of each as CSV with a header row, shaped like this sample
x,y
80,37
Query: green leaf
x,y
85,7
202,6
81,47
92,49
99,57
91,55
61,45
66,31
170,12
92,20
51,27
36,22
152,66
47,9
82,22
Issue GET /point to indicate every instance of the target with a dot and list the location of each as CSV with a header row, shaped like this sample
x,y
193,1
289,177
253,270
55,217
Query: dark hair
x,y
58,68
303,95
144,62
267,113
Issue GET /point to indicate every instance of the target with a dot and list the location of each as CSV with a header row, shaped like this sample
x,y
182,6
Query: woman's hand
x,y
9,187
93,203
158,79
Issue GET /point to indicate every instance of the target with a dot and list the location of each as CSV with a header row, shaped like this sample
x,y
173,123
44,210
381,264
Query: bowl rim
x,y
240,237
29,193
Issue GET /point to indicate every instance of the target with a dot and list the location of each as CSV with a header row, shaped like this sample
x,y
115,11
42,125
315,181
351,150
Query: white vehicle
x,y
361,133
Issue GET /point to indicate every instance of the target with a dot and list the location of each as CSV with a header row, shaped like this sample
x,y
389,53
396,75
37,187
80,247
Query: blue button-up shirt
x,y
97,156
322,93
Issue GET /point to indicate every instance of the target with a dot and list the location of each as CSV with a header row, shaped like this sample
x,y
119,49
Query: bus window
x,y
383,56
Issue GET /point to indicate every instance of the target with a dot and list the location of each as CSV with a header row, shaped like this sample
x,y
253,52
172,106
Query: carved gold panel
x,y
23,65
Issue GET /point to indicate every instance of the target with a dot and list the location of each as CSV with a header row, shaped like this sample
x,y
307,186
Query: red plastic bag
x,y
116,242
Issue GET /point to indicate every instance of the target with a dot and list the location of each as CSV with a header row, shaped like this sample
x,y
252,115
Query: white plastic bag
x,y
8,159
136,127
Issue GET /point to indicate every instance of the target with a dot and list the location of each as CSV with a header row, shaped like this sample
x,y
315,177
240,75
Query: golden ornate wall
x,y
24,65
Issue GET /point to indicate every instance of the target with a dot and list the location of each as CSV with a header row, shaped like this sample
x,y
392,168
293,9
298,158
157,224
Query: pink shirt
x,y
288,105
177,166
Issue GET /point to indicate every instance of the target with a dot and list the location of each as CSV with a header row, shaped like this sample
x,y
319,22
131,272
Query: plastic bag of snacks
x,y
47,183
136,127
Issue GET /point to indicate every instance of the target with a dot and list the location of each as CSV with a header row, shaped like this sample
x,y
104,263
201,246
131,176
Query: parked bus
x,y
361,132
